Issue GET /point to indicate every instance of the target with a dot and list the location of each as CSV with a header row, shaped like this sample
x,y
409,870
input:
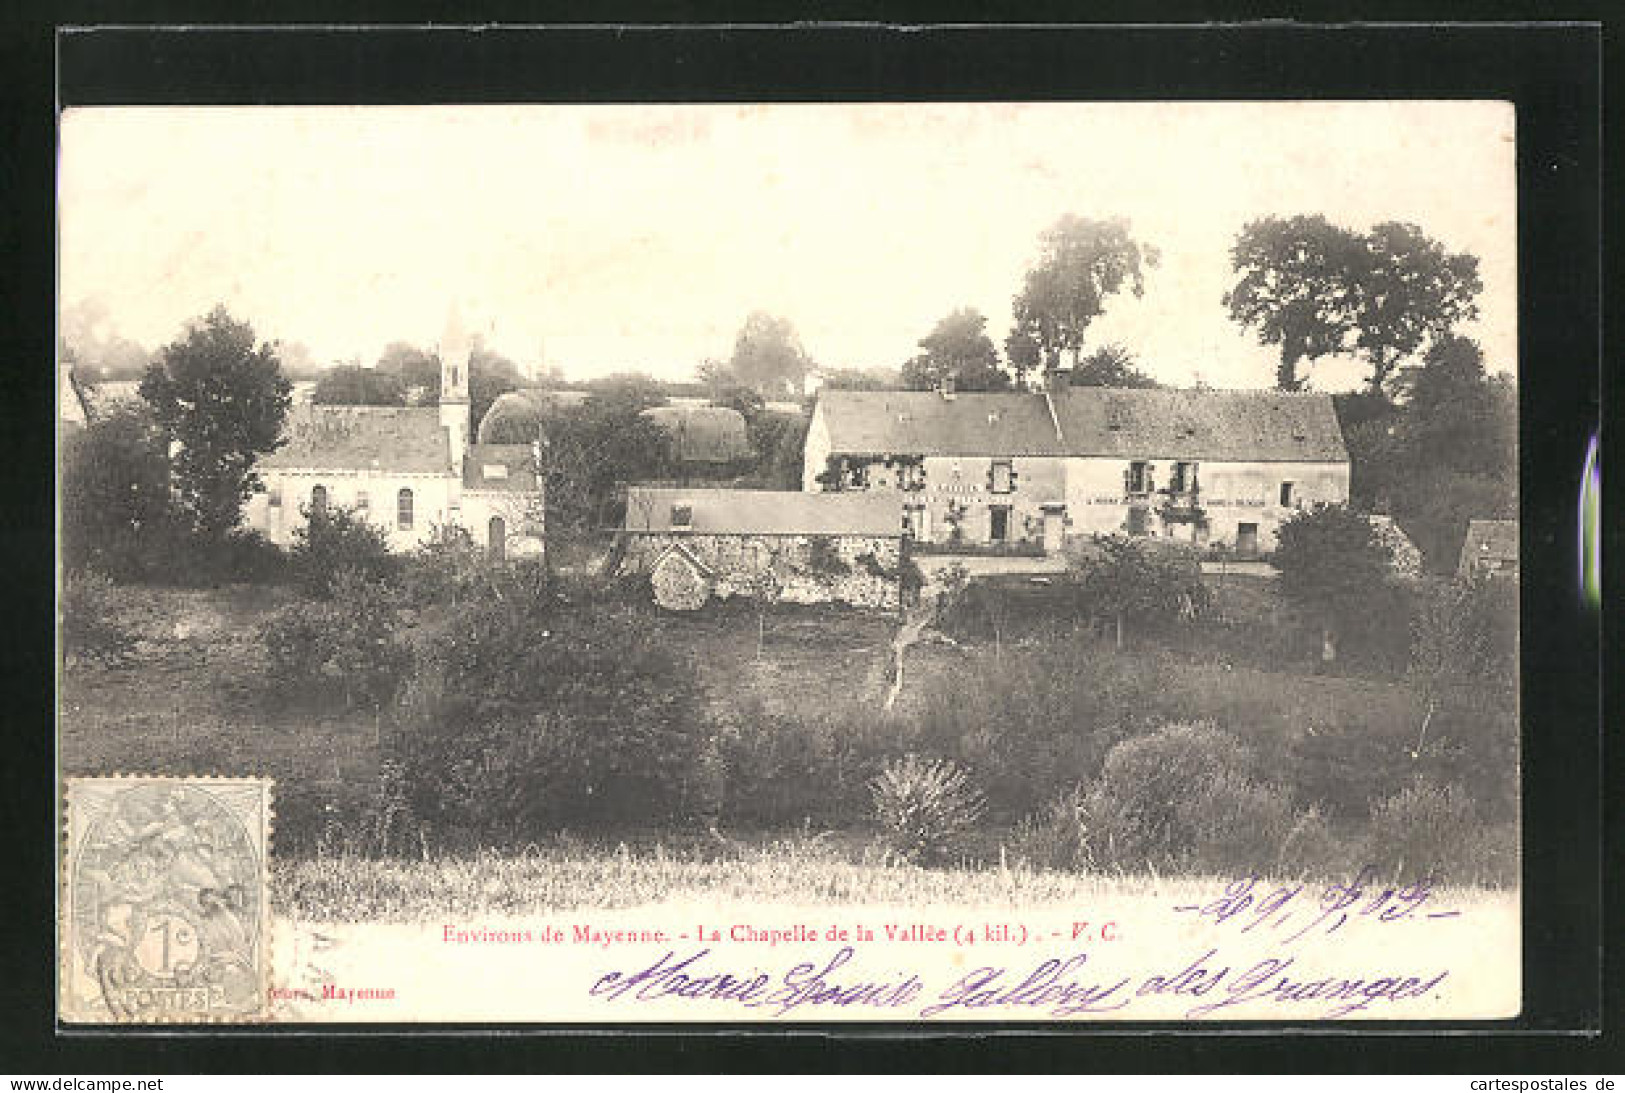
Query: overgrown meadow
x,y
450,734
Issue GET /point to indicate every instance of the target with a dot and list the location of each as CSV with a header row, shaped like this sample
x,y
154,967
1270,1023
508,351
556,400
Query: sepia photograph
x,y
789,562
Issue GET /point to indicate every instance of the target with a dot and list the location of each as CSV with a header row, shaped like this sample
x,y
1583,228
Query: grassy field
x,y
795,871
185,704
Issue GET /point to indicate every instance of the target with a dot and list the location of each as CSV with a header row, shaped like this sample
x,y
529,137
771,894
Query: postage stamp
x,y
164,913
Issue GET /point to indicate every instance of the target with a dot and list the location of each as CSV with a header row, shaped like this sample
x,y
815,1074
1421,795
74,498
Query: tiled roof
x,y
403,439
765,512
1490,540
703,434
1094,421
518,474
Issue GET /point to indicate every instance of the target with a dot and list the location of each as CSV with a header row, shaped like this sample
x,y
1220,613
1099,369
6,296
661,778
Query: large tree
x,y
957,349
1296,288
1110,366
115,494
1081,264
351,385
1316,289
1330,558
1412,293
490,374
768,356
222,401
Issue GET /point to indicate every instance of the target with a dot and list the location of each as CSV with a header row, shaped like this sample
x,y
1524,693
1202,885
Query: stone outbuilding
x,y
1489,549
784,545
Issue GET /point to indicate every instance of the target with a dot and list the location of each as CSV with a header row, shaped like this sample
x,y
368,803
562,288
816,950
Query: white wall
x,y
431,502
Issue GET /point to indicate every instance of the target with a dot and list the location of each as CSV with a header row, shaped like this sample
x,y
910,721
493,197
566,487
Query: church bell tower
x,y
454,408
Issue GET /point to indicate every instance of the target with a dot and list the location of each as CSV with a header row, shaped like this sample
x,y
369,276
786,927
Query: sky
x,y
605,238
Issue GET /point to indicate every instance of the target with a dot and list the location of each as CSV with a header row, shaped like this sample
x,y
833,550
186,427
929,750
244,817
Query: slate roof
x,y
1094,421
518,459
403,439
1488,540
703,434
765,512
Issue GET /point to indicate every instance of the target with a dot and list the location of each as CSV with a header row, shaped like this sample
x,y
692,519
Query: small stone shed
x,y
695,544
1489,550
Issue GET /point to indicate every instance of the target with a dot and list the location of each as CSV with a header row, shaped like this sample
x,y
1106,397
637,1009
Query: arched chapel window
x,y
403,510
318,499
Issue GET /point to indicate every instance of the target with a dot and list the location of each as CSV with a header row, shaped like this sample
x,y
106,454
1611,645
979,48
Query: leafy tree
x,y
349,645
1296,288
1330,557
116,511
1412,293
1455,416
1123,577
861,379
1316,289
490,374
351,385
412,366
223,402
957,349
593,449
1110,366
1081,264
768,356
536,713
335,541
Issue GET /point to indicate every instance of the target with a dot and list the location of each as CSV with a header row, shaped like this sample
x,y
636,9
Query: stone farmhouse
x,y
695,544
411,470
1027,470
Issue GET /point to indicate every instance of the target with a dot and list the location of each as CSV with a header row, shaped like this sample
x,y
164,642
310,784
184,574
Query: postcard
x,y
773,563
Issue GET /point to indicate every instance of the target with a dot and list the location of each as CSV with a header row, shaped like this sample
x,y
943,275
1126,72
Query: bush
x,y
1056,836
348,646
334,540
923,806
1038,719
91,628
1431,831
535,714
1183,797
448,568
368,818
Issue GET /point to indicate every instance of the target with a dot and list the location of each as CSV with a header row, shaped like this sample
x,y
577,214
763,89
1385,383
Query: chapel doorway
x,y
496,538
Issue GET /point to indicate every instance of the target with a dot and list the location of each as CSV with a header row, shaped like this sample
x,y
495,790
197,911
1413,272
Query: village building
x,y
695,544
1489,550
413,471
1019,470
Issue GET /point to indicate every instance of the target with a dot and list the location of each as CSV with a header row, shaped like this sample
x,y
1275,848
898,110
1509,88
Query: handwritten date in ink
x,y
1251,906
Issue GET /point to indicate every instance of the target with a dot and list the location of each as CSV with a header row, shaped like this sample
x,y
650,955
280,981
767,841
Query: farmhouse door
x,y
1000,529
1054,530
496,538
1246,540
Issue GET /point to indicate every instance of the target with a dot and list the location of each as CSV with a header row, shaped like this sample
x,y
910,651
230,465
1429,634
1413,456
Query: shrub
x,y
924,805
1431,831
1331,558
533,714
1036,720
91,628
1184,797
1125,579
349,645
447,568
1056,836
334,539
